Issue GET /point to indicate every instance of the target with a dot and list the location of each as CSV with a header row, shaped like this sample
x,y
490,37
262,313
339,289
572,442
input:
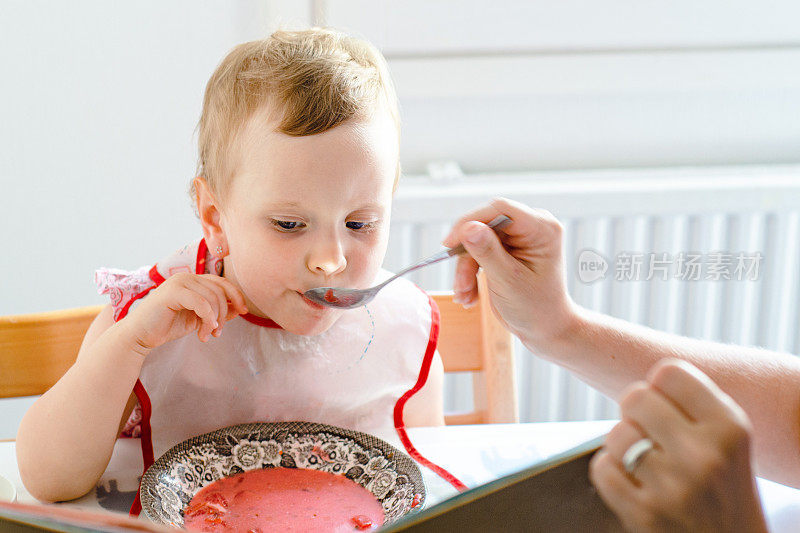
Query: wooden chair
x,y
36,349
473,340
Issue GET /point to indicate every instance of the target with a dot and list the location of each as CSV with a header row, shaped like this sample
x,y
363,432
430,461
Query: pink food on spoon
x,y
329,297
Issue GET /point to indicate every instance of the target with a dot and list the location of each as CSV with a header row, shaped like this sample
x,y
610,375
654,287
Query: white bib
x,y
352,375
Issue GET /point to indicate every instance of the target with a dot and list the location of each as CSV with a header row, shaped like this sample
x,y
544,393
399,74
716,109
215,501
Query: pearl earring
x,y
219,250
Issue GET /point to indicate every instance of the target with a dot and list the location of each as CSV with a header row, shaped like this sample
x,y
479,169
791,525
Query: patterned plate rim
x,y
404,462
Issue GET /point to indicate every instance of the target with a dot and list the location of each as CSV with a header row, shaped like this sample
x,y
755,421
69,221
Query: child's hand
x,y
182,304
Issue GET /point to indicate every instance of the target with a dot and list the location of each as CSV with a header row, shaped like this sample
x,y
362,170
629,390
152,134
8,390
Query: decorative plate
x,y
171,482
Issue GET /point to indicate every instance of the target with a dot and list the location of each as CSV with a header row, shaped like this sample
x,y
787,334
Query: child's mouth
x,y
313,305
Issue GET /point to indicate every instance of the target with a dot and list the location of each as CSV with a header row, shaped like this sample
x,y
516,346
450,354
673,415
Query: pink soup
x,y
283,499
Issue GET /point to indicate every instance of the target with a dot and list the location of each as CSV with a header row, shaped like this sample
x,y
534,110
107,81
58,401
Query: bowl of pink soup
x,y
283,476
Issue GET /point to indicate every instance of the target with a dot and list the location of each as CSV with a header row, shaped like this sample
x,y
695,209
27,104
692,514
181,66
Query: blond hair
x,y
313,79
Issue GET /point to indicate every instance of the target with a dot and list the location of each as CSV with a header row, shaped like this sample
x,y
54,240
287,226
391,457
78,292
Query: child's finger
x,y
234,296
193,301
222,307
220,299
213,294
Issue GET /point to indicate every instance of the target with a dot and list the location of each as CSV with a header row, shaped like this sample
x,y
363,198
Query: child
x,y
298,160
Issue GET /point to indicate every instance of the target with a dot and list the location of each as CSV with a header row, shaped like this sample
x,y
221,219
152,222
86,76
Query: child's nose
x,y
327,259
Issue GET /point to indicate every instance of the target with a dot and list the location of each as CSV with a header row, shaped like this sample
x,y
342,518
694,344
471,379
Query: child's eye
x,y
356,225
287,225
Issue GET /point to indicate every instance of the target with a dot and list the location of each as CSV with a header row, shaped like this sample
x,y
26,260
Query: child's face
x,y
305,212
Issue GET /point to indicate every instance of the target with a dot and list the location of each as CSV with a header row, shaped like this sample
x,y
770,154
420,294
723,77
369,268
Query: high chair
x,y
36,349
473,340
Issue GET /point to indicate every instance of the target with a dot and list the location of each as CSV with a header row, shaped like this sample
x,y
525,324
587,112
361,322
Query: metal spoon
x,y
349,298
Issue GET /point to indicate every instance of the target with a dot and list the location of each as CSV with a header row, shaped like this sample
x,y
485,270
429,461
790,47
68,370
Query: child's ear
x,y
208,209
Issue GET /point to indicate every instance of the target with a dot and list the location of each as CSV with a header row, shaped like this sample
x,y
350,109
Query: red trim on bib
x,y
146,440
156,276
124,312
145,437
200,263
399,425
260,321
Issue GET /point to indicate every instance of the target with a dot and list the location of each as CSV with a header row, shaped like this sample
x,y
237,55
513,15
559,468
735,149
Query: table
x,y
475,454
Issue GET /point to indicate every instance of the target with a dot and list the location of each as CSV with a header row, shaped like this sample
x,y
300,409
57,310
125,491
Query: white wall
x,y
542,84
98,105
99,101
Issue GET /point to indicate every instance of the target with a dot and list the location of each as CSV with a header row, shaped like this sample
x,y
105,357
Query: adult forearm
x,y
609,354
80,416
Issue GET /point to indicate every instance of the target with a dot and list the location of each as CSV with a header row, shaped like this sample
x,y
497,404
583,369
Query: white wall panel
x,y
657,73
506,85
424,27
565,131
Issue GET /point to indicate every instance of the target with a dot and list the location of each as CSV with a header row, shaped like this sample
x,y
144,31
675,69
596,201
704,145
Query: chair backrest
x,y
36,349
473,340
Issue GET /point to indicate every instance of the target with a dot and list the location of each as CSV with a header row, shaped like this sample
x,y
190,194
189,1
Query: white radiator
x,y
739,223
